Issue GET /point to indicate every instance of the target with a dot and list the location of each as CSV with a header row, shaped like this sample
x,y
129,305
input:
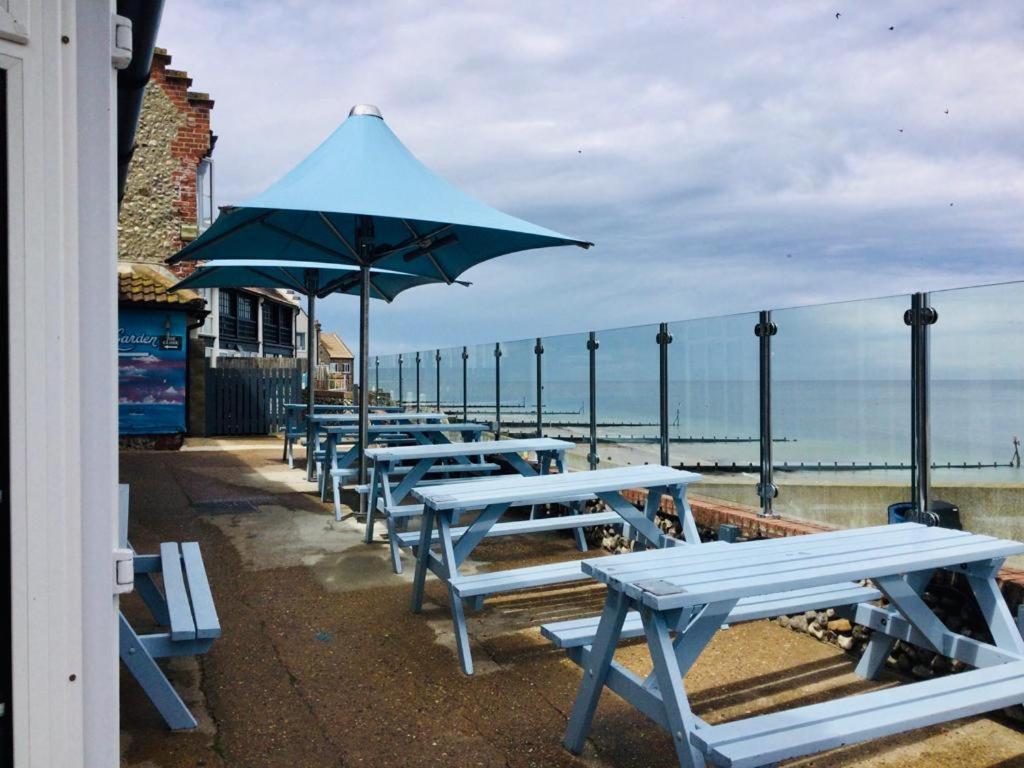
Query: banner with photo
x,y
151,372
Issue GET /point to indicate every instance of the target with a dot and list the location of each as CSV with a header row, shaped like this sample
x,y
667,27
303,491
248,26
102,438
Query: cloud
x,y
724,157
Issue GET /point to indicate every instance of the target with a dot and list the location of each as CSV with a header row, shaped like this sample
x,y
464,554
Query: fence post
x,y
437,378
920,317
497,391
401,396
376,379
592,344
664,338
465,380
538,350
417,381
766,489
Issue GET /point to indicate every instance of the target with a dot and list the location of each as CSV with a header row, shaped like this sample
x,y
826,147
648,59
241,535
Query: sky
x,y
724,157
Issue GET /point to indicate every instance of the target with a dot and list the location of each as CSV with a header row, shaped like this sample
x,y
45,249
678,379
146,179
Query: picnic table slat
x,y
675,566
528,445
203,609
553,488
808,572
182,624
783,735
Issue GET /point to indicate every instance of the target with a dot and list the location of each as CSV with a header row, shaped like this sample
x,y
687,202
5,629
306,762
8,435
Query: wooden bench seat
x,y
575,633
350,473
769,739
184,610
547,575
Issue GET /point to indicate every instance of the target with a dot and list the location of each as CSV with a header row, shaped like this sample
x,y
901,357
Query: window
x,y
277,326
245,307
237,316
204,194
300,339
346,367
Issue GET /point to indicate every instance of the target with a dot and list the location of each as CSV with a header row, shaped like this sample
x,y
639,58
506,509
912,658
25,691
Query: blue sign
x,y
151,372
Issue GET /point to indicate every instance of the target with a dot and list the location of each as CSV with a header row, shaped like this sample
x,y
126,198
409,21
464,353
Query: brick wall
x,y
158,213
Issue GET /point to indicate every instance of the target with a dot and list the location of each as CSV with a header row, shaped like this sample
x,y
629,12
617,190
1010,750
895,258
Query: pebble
x,y
840,625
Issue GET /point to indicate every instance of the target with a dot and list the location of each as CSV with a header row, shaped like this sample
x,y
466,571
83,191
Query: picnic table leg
x,y
152,679
287,432
595,672
544,460
371,505
330,462
153,598
872,661
685,514
679,717
451,573
422,558
576,508
1005,632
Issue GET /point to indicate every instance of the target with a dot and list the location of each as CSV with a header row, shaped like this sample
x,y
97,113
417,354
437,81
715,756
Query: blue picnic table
x,y
494,496
293,421
421,433
677,599
397,470
320,422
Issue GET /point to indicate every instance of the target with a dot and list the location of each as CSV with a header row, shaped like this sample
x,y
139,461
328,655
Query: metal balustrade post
x,y
401,394
437,378
497,391
417,382
465,382
766,488
592,344
376,379
920,317
538,351
664,338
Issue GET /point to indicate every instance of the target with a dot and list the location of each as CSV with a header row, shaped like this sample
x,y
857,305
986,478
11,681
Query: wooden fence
x,y
246,396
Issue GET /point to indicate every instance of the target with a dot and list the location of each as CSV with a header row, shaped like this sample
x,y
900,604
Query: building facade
x,y
335,361
169,201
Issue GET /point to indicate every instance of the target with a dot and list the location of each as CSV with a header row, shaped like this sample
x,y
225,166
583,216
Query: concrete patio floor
x,y
321,662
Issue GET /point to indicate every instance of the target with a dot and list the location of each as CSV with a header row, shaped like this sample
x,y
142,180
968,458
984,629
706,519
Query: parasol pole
x,y
310,368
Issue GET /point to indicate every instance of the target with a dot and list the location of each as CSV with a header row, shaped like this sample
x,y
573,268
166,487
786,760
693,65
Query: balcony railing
x,y
829,411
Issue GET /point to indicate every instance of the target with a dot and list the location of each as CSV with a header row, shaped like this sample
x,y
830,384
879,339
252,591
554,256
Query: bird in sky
x,y
891,28
838,14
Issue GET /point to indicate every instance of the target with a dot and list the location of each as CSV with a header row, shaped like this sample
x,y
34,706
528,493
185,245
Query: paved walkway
x,y
322,664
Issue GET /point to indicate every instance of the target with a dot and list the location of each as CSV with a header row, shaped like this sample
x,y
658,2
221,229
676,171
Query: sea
x,y
848,425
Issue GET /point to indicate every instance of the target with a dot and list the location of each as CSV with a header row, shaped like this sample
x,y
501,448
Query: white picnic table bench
x,y
494,496
397,470
679,598
418,433
184,609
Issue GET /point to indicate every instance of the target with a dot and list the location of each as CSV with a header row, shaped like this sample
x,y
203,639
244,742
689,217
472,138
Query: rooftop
x,y
150,284
335,347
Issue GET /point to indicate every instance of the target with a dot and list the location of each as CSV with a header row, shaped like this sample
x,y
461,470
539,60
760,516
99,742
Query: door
x,y
6,731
